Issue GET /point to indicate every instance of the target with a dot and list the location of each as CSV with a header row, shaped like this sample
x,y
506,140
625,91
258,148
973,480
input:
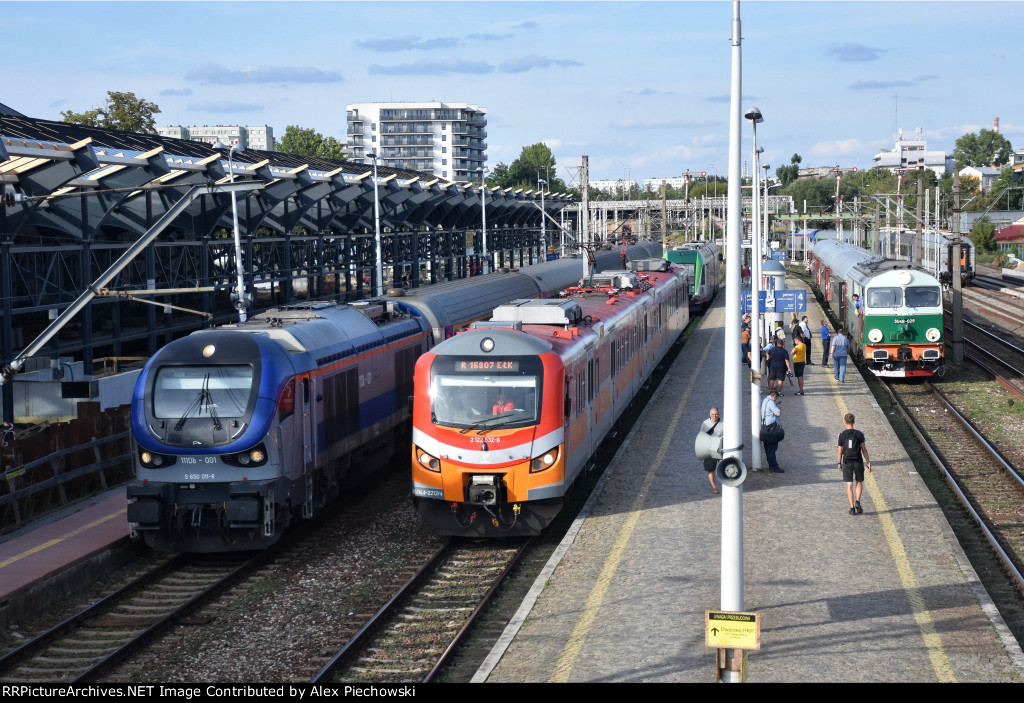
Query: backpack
x,y
852,441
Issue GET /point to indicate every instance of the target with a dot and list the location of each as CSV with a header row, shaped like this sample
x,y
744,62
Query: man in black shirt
x,y
852,447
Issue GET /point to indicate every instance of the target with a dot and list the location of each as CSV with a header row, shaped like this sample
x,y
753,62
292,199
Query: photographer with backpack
x,y
853,446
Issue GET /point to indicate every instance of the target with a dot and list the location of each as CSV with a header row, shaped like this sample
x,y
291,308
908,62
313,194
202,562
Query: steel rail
x,y
484,602
1015,574
372,624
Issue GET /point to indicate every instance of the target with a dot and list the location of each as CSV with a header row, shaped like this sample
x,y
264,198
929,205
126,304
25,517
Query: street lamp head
x,y
542,181
760,150
372,155
238,148
754,115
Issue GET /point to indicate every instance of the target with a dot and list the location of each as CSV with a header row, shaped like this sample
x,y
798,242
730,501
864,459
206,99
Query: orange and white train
x,y
509,413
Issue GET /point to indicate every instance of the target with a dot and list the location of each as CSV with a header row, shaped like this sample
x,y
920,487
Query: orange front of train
x,y
489,416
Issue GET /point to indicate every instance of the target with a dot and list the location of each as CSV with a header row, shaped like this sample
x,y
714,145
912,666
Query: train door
x,y
308,446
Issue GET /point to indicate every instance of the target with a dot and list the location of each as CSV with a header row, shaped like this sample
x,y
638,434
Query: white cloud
x,y
842,146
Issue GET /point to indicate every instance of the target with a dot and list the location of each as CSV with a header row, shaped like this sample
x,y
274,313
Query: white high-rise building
x,y
445,139
913,153
260,137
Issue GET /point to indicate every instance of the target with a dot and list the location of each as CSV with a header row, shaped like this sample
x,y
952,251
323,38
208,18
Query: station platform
x,y
52,557
886,596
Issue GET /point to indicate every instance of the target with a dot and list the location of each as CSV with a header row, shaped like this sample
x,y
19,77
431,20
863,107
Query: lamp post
x,y
764,232
541,183
757,340
376,227
483,217
240,303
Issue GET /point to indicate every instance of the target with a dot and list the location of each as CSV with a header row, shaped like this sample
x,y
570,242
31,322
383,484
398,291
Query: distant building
x,y
619,188
445,139
910,153
259,137
654,184
986,176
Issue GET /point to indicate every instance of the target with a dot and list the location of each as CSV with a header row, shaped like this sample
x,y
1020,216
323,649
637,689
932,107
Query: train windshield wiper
x,y
204,397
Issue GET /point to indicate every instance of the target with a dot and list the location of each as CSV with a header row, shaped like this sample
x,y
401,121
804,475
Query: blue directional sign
x,y
779,255
781,301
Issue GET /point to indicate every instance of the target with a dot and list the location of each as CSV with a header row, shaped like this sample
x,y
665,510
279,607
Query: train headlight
x,y
544,461
428,462
933,334
152,460
487,344
875,336
257,456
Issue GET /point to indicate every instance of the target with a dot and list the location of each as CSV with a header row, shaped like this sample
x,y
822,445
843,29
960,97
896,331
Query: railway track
x,y
89,643
412,637
986,484
1006,308
1000,357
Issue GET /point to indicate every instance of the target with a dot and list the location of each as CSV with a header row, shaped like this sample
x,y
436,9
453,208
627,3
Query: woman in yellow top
x,y
799,361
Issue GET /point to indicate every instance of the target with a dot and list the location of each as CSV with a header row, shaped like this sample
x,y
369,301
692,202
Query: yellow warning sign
x,y
732,630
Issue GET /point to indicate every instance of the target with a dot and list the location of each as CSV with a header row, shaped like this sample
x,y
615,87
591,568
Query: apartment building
x,y
259,137
441,138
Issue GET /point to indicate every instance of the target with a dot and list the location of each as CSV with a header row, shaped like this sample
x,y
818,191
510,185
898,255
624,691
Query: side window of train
x,y
590,381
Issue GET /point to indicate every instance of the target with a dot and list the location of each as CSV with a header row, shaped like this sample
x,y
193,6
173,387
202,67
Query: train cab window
x,y
923,296
885,297
202,391
485,393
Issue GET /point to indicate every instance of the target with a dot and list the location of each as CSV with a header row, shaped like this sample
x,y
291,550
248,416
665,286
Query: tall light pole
x,y
757,339
543,216
240,303
764,233
376,227
731,468
483,210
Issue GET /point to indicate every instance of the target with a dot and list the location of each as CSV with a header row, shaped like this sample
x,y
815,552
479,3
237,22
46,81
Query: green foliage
x,y
309,142
1013,200
534,161
788,174
983,234
121,111
986,148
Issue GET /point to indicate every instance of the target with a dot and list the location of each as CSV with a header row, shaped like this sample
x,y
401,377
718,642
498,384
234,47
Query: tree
x,y
1014,200
788,174
986,148
121,111
983,234
309,142
522,173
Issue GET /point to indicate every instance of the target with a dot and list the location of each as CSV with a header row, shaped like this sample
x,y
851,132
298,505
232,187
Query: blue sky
x,y
642,88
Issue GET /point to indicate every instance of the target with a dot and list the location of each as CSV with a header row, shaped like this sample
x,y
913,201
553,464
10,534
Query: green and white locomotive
x,y
892,311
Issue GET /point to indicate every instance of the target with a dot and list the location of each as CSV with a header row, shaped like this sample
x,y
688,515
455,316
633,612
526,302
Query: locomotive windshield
x,y
486,393
923,296
202,391
885,297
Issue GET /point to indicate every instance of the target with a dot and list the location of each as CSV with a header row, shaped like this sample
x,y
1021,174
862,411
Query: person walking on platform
x,y
622,254
778,365
770,414
805,328
852,447
713,426
840,353
826,340
799,356
745,344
